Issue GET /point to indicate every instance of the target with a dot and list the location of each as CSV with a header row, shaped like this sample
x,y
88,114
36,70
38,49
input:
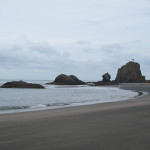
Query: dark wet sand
x,y
121,125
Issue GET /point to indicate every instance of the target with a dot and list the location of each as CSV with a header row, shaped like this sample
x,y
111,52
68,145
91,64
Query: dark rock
x,y
21,84
111,83
67,80
130,73
105,81
106,77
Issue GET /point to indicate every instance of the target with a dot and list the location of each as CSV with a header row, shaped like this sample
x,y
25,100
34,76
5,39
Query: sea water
x,y
57,96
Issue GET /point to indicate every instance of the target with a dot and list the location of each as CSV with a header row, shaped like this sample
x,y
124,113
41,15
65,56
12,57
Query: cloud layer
x,y
85,38
86,59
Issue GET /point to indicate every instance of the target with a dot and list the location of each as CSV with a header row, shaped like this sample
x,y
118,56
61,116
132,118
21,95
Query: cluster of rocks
x,y
129,73
106,80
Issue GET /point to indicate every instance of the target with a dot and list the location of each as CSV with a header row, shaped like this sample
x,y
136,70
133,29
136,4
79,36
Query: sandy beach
x,y
123,125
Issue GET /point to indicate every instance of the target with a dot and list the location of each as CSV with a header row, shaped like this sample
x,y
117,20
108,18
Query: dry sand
x,y
123,125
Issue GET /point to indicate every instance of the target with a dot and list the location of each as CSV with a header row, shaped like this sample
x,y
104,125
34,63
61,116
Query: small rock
x,y
106,77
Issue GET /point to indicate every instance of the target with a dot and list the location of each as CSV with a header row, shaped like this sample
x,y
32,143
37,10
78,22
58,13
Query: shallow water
x,y
18,100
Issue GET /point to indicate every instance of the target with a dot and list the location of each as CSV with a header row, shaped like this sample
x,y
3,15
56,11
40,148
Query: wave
x,y
54,105
13,100
39,106
2,108
58,104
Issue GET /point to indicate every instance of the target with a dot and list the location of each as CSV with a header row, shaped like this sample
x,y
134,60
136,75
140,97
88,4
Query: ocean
x,y
57,96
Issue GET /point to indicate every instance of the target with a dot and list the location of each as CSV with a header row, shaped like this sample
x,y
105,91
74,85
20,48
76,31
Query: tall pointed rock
x,y
130,73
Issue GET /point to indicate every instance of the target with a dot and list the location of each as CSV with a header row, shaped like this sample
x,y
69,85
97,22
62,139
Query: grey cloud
x,y
136,41
32,56
112,48
82,42
88,62
88,49
28,54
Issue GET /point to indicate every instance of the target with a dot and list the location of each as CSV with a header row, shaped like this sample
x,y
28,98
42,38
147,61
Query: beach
x,y
122,125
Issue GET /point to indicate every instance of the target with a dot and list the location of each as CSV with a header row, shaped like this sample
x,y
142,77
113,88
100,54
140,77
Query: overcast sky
x,y
40,39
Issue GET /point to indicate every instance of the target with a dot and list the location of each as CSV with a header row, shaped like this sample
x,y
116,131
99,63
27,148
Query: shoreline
x,y
113,126
24,109
141,94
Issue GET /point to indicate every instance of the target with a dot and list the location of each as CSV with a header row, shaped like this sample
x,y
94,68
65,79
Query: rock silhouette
x,y
63,79
130,73
21,84
106,77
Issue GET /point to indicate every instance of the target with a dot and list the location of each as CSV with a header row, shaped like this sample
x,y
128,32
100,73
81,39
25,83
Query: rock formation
x,y
130,73
106,77
105,81
21,84
67,80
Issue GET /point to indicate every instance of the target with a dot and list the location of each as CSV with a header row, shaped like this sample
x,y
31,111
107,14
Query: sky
x,y
40,39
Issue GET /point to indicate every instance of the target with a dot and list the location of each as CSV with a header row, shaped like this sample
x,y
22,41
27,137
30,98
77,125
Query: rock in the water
x,y
102,83
21,84
130,73
106,77
67,80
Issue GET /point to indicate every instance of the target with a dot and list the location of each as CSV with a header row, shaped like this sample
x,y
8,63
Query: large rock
x,y
67,80
21,84
130,73
106,77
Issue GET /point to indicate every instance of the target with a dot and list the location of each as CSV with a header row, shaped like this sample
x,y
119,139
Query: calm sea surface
x,y
19,100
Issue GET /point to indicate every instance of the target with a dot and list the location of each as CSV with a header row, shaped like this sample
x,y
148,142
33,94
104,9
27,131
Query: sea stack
x,y
130,73
63,79
22,84
106,77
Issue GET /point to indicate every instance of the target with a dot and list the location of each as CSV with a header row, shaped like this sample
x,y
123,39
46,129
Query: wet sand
x,y
123,125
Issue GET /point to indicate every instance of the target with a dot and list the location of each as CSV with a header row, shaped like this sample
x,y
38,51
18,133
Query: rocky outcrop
x,y
21,84
105,81
67,80
130,73
106,77
101,83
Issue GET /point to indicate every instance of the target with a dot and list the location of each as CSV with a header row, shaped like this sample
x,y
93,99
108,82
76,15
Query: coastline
x,y
112,126
93,95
